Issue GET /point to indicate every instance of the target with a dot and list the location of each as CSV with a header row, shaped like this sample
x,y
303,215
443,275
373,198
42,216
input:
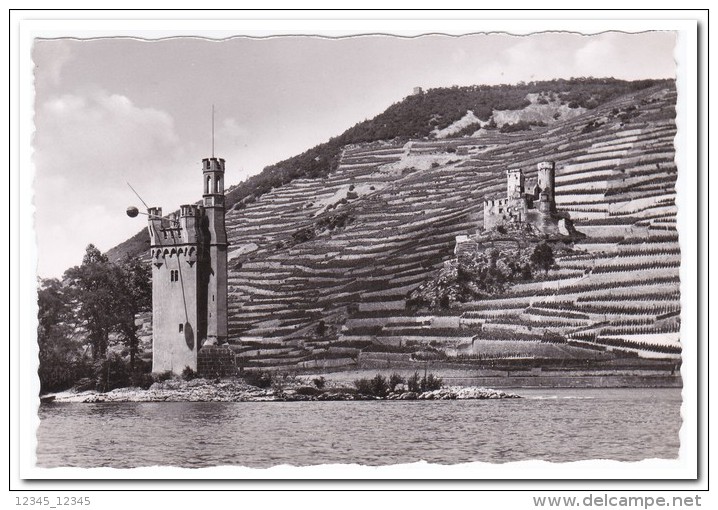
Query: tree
x,y
542,256
94,288
109,297
395,380
379,386
60,353
414,383
135,295
53,308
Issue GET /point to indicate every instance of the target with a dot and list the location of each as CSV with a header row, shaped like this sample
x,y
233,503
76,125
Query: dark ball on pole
x,y
132,211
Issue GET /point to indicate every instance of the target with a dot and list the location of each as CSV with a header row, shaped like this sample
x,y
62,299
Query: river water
x,y
551,424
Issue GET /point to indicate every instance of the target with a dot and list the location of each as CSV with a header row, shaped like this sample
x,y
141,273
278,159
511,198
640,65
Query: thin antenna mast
x,y
212,130
138,195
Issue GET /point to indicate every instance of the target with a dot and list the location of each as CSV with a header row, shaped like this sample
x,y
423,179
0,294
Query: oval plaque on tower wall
x,y
189,335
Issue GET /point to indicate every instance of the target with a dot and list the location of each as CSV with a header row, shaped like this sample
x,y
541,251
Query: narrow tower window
x,y
181,327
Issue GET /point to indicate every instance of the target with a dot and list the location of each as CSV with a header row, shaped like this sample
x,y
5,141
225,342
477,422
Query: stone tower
x,y
216,249
514,183
547,183
189,276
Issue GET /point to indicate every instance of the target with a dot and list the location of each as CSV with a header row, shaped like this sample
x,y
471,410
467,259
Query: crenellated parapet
x,y
175,230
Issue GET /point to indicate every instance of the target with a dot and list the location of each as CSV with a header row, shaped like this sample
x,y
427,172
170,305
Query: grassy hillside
x,y
416,116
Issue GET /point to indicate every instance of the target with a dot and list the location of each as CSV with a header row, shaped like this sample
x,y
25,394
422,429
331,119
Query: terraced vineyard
x,y
320,268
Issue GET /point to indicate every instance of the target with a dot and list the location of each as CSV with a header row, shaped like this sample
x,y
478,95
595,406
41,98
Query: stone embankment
x,y
202,390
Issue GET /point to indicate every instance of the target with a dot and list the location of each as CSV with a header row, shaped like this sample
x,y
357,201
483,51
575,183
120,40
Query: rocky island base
x,y
203,390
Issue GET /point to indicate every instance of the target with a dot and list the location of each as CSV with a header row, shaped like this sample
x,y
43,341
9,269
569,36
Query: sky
x,y
117,110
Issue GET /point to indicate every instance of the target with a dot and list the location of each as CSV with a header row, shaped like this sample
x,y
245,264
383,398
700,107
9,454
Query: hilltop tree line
x,y
415,117
89,311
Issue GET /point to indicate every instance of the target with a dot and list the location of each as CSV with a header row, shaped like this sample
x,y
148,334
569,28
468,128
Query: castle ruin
x,y
533,203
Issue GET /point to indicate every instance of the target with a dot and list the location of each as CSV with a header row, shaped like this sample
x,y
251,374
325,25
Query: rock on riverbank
x,y
202,390
455,393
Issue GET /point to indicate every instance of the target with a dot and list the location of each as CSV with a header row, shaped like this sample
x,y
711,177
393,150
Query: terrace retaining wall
x,y
553,381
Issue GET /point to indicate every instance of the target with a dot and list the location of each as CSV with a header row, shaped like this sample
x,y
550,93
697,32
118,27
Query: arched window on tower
x,y
207,184
217,185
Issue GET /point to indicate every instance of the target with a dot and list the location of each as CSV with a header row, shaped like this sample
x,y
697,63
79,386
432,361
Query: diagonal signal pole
x,y
137,194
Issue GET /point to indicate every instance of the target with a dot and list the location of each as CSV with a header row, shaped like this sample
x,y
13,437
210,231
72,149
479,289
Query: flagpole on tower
x,y
212,130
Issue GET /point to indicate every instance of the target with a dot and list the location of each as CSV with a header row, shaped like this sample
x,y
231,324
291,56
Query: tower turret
x,y
190,224
155,225
213,173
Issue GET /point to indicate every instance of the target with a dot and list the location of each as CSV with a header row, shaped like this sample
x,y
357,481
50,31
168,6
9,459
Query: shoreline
x,y
202,390
339,387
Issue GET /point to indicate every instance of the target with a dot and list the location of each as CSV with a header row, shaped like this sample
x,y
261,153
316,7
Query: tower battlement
x,y
215,164
189,210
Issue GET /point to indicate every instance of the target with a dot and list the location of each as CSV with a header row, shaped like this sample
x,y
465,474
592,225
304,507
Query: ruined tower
x,y
189,276
514,183
547,184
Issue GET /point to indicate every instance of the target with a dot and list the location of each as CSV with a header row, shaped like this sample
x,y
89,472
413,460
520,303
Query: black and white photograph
x,y
370,250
